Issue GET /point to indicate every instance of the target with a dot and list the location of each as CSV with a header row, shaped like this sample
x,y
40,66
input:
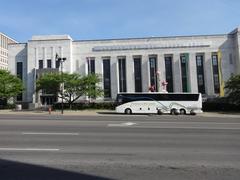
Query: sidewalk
x,y
58,112
102,112
220,114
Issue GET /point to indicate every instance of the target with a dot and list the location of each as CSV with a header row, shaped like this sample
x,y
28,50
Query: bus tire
x,y
182,111
192,113
173,111
128,111
159,112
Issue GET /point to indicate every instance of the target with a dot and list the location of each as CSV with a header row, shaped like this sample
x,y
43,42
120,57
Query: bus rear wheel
x,y
182,111
128,111
159,112
174,112
192,112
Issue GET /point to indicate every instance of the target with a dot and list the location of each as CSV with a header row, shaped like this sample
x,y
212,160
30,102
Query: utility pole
x,y
61,60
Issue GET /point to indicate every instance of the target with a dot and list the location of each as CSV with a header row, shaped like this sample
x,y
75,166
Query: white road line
x,y
48,133
122,124
194,123
27,149
176,127
180,125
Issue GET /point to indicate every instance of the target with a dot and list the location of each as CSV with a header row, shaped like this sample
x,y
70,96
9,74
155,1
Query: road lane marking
x,y
180,125
122,124
27,149
200,128
48,133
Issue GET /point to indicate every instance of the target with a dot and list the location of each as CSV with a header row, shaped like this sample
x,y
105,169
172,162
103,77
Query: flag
x,y
221,82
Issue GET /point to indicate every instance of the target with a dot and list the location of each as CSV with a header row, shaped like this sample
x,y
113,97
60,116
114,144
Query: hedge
x,y
82,106
220,104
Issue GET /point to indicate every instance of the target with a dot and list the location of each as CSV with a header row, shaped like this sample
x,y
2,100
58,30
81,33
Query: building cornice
x,y
160,37
1,33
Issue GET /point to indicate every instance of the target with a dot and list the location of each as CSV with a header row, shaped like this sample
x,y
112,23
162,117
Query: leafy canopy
x,y
233,89
75,85
10,85
49,82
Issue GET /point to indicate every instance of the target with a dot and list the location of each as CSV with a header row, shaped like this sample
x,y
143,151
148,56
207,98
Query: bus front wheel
x,y
128,111
182,111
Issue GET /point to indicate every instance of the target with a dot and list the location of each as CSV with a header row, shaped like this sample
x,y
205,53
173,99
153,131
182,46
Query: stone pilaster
x,y
53,55
161,71
145,73
99,71
114,77
130,74
208,74
177,81
44,57
192,70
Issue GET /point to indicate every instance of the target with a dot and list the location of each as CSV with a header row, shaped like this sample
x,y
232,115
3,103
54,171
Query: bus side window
x,y
120,100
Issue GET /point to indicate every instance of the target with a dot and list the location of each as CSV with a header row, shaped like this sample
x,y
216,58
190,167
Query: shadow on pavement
x,y
11,170
139,114
108,113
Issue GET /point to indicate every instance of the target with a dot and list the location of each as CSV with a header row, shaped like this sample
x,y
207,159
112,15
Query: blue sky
x,y
105,19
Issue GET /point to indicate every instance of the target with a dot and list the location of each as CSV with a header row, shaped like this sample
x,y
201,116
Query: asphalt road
x,y
119,147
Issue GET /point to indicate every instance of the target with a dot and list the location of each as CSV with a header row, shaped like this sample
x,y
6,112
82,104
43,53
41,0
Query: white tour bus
x,y
159,103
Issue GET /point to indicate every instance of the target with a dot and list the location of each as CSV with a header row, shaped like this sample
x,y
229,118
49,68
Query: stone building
x,y
4,41
199,63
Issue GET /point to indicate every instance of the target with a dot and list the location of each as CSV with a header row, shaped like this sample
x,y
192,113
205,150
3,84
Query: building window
x,y
19,97
216,81
200,80
230,58
91,66
106,78
184,72
57,64
199,61
169,74
215,73
40,64
153,73
49,63
214,60
20,70
122,74
138,74
200,74
20,76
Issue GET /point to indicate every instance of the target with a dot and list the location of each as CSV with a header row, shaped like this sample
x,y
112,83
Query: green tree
x,y
90,88
10,85
49,83
75,86
233,89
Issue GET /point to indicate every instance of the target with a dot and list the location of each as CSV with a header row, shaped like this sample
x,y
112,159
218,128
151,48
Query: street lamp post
x,y
61,60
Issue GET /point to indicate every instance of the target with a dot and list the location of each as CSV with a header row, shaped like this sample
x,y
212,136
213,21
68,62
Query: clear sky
x,y
104,19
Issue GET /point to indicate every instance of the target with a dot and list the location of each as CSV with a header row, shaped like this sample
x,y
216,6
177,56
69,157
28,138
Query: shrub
x,y
220,104
7,106
83,106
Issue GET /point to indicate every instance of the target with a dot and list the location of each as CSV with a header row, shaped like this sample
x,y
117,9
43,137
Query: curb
x,y
72,113
103,113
